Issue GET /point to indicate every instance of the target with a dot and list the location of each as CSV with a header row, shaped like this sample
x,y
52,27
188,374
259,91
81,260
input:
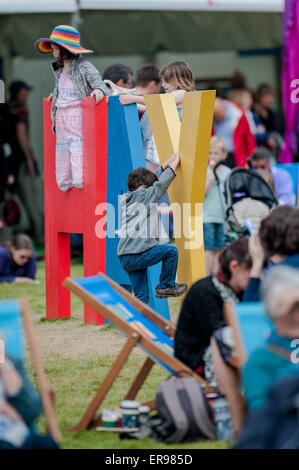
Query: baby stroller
x,y
249,200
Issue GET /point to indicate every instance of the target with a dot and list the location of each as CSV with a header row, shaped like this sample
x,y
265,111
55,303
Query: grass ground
x,y
77,358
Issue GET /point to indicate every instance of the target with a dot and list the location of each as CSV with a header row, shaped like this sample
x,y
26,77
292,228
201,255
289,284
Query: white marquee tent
x,y
150,26
31,6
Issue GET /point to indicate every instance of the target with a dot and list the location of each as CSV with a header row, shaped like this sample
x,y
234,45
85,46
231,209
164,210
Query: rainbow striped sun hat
x,y
64,36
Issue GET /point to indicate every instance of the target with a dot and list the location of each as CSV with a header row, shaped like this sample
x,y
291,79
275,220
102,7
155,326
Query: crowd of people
x,y
263,267
260,264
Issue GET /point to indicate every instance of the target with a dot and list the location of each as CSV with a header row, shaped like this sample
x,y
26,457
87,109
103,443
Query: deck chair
x,y
15,320
251,327
144,328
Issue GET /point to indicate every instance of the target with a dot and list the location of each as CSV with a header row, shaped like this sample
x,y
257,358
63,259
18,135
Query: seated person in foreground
x,y
20,405
138,246
17,260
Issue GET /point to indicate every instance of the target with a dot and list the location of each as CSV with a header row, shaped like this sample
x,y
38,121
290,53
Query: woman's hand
x,y
212,164
257,255
127,99
10,180
99,95
24,279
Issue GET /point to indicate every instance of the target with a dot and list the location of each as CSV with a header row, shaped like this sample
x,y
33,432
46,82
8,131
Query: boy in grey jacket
x,y
138,246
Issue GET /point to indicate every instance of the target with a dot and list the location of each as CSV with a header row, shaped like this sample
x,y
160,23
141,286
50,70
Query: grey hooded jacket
x,y
139,215
85,78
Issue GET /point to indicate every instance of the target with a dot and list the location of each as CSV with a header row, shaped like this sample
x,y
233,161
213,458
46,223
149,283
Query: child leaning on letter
x,y
75,78
138,246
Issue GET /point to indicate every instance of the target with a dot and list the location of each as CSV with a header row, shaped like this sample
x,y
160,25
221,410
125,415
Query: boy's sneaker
x,y
174,291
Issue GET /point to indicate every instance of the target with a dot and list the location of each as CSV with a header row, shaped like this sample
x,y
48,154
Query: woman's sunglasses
x,y
24,257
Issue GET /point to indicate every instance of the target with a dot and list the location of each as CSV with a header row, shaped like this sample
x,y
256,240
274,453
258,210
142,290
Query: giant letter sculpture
x,y
73,211
192,140
76,211
125,152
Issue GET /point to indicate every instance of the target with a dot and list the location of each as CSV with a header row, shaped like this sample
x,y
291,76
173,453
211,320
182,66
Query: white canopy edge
x,y
8,7
70,6
185,5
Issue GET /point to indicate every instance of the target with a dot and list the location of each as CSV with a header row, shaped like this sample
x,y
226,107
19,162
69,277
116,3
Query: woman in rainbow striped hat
x,y
75,78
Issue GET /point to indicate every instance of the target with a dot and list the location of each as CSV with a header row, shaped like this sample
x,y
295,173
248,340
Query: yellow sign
x,y
191,139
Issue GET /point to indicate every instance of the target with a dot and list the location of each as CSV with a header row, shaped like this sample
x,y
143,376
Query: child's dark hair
x,y
237,251
146,74
279,232
140,176
116,72
64,54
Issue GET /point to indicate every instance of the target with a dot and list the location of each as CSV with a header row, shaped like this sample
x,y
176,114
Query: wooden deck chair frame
x,y
238,359
42,380
89,418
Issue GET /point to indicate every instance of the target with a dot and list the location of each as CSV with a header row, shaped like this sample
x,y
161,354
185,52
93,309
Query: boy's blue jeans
x,y
136,267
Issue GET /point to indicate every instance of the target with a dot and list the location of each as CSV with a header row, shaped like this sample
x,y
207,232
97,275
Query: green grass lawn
x,y
77,375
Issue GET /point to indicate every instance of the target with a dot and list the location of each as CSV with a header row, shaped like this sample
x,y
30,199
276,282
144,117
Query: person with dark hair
x,y
24,182
147,80
17,260
4,169
202,320
279,234
283,183
138,247
277,243
268,120
120,75
264,99
202,311
139,177
75,78
19,129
